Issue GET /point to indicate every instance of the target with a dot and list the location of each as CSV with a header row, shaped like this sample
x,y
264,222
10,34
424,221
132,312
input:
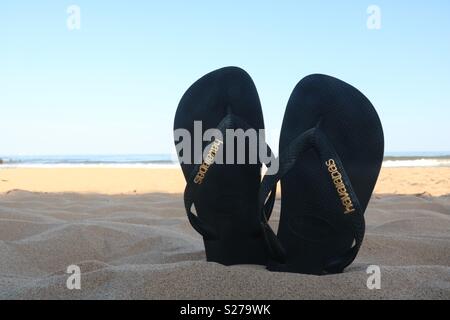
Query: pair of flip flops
x,y
330,154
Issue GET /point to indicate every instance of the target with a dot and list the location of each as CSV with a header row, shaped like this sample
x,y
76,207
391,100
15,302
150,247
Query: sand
x,y
127,231
113,181
93,180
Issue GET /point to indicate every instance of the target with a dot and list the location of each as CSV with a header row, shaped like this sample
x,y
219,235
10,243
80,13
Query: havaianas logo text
x,y
209,160
340,186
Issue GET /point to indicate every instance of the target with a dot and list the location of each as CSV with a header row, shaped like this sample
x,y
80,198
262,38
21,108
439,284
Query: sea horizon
x,y
391,159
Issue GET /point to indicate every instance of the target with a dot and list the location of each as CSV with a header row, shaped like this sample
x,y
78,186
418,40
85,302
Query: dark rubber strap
x,y
191,191
311,139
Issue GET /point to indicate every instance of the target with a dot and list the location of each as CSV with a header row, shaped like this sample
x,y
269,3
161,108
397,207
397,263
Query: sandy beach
x,y
127,231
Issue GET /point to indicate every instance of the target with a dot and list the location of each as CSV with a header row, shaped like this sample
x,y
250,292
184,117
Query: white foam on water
x,y
416,163
100,165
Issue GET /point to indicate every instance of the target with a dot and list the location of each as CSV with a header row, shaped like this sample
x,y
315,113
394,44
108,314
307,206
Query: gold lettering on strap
x,y
340,186
209,160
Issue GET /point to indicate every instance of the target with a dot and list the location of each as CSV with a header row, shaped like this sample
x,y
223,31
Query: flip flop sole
x,y
314,224
227,199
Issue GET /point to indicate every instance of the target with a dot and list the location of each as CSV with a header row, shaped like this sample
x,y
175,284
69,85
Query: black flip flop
x,y
331,151
224,196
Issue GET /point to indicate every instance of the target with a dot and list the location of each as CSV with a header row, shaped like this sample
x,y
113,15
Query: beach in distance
x,y
126,228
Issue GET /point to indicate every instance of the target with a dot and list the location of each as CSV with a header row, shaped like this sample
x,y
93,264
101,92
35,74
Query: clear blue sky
x,y
114,85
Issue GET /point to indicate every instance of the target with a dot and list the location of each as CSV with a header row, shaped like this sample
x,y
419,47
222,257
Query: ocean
x,y
129,160
392,160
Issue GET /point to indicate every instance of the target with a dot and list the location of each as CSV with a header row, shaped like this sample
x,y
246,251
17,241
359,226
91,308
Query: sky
x,y
112,86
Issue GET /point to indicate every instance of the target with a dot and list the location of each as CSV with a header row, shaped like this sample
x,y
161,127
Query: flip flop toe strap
x,y
192,190
314,139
